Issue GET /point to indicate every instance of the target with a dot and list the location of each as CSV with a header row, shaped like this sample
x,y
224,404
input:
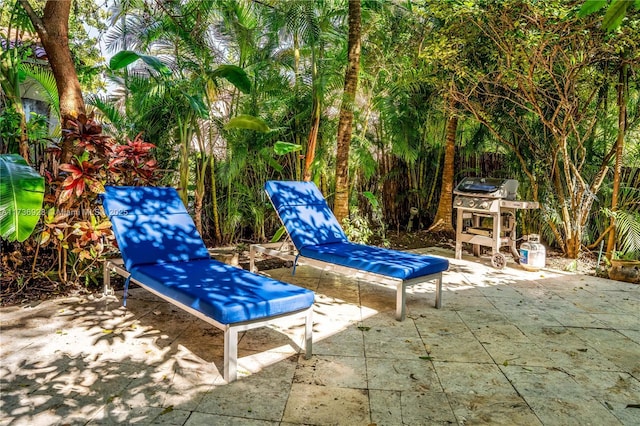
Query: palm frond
x,y
628,232
108,110
45,79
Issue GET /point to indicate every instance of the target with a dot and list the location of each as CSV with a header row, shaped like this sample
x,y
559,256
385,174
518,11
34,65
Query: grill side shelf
x,y
519,204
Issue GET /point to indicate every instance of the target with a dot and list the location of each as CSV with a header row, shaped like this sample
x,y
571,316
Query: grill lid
x,y
488,187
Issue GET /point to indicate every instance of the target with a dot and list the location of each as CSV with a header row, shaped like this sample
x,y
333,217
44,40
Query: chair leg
x,y
107,290
439,292
308,335
230,354
401,291
252,259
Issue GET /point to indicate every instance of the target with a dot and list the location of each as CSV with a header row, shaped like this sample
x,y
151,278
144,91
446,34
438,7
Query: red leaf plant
x,y
83,174
132,162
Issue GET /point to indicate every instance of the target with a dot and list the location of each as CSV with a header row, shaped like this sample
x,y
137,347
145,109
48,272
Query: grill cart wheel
x,y
498,261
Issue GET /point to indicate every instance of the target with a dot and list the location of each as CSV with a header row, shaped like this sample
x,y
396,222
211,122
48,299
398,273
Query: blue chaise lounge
x,y
320,241
163,253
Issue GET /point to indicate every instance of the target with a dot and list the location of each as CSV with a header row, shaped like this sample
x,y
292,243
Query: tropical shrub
x,y
74,225
21,194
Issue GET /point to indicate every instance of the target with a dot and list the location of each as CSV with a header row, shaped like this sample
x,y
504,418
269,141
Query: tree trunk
x,y
341,202
313,138
622,125
53,29
573,243
443,222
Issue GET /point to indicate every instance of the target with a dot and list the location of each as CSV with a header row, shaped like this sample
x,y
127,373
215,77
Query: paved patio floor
x,y
508,347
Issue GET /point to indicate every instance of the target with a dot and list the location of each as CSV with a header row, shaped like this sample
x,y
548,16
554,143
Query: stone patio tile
x,y
540,317
566,349
465,300
347,341
456,347
386,407
45,410
620,321
551,383
141,416
388,326
171,384
617,391
188,387
499,334
633,335
69,386
303,280
571,411
472,378
614,347
440,319
260,396
497,409
400,348
323,405
204,419
385,337
333,286
286,338
380,298
402,374
576,318
302,272
519,353
410,408
337,310
476,318
333,371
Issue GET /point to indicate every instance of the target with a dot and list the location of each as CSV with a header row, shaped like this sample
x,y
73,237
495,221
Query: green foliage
x,y
615,14
357,227
10,133
47,82
234,75
284,148
127,57
247,122
628,232
278,234
284,62
360,228
9,129
21,195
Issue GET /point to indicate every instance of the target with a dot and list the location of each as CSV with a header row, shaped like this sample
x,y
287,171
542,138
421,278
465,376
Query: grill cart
x,y
486,216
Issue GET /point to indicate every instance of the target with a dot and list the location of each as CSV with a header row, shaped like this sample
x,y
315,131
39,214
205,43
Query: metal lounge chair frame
x,y
230,330
288,251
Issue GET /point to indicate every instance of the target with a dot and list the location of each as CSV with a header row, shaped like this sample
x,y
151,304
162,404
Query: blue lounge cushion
x,y
163,250
294,193
152,226
316,233
311,226
305,213
391,263
222,292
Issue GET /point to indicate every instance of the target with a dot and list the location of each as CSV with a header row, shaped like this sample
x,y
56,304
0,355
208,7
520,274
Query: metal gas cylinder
x,y
532,253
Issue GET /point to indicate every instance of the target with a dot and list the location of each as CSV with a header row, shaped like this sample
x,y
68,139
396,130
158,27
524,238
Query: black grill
x,y
486,209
